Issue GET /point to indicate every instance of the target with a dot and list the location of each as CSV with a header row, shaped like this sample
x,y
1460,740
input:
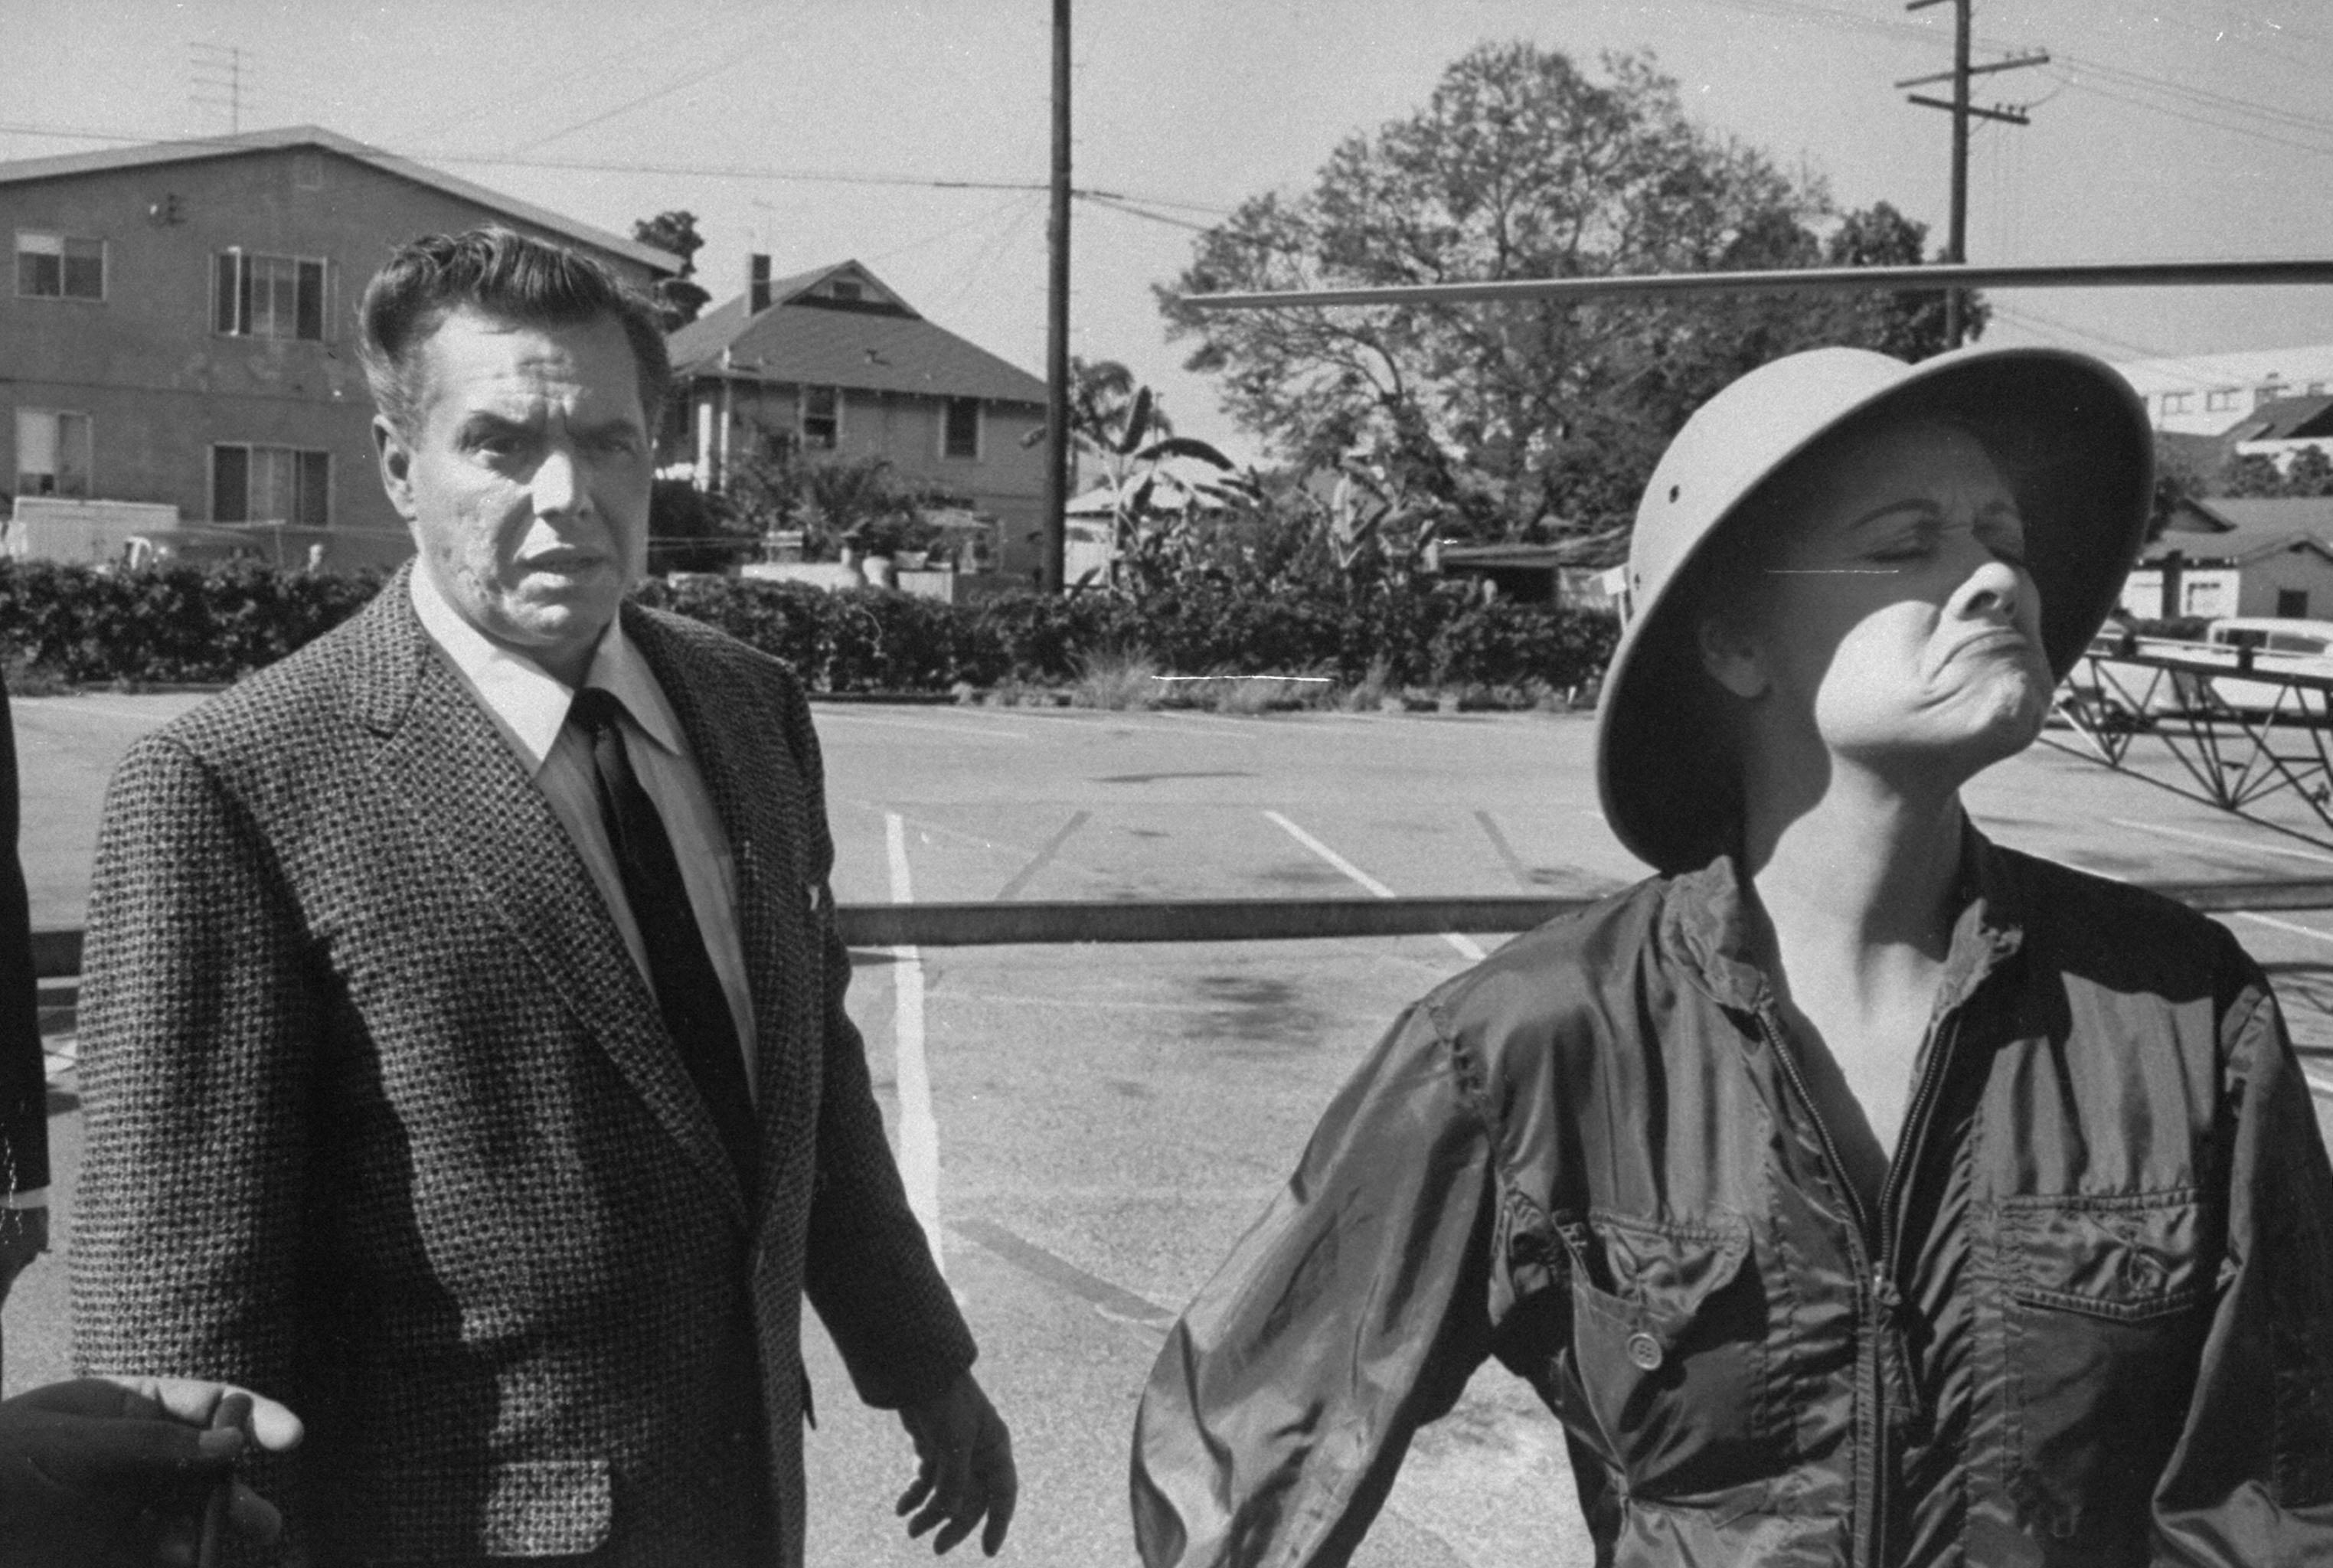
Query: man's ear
x,y
1732,657
396,464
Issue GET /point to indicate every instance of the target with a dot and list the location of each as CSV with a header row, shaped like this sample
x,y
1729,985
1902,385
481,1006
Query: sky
x,y
915,137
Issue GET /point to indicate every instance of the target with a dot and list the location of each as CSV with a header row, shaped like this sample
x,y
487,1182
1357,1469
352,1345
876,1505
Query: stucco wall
x,y
160,386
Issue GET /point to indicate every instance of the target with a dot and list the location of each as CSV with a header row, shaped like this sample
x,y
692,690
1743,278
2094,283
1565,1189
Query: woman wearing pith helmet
x,y
1854,1190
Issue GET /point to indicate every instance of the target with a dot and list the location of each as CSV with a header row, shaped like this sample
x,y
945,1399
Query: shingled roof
x,y
877,342
22,170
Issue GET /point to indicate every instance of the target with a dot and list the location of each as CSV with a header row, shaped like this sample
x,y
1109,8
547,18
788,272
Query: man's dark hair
x,y
504,274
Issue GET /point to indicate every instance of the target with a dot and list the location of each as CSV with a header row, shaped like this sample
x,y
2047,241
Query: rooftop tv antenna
x,y
223,74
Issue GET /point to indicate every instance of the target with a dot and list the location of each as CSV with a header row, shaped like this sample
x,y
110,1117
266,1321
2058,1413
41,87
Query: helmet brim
x,y
2073,440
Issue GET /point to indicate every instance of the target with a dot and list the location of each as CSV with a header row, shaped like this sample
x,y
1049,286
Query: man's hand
x,y
106,1471
964,1468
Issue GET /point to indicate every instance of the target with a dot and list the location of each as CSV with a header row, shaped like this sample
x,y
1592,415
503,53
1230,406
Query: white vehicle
x,y
2273,645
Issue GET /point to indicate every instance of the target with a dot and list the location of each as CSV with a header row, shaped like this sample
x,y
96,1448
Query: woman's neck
x,y
1862,873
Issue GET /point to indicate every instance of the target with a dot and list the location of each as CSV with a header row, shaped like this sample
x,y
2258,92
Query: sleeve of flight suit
x,y
1350,1315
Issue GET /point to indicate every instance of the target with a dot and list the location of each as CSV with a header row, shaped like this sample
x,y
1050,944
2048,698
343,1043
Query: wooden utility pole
x,y
1057,319
1957,231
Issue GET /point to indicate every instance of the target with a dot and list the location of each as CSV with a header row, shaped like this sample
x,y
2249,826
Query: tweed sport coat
x,y
383,1121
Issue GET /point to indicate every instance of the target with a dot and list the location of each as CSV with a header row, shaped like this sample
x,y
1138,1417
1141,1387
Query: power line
x,y
728,62
683,170
2317,147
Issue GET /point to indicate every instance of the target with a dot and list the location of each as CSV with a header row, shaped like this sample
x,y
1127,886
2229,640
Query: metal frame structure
x,y
1796,280
2126,691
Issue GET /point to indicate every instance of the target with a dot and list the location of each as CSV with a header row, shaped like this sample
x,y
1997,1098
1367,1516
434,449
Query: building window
x,y
2220,399
56,266
2178,402
2293,603
961,436
271,484
51,453
846,289
821,417
267,296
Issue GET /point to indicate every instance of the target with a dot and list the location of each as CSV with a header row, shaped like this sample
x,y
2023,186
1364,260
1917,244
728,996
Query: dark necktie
x,y
688,992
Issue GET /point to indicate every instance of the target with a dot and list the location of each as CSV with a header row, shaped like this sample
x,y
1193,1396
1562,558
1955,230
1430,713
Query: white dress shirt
x,y
529,706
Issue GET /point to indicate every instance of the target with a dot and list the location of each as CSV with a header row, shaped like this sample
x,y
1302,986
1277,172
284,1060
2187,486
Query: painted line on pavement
x,y
1043,858
2223,839
1513,862
1111,1301
963,731
1467,947
2296,928
919,1131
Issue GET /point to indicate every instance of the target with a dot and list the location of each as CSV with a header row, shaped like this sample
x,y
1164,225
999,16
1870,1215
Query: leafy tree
x,y
861,501
1910,326
1154,508
677,299
1530,417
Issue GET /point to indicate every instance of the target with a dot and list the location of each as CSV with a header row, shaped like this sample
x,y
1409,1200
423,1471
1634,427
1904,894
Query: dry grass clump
x,y
1116,681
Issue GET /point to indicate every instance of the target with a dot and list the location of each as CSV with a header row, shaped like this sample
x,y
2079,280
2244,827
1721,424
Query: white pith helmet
x,y
2069,435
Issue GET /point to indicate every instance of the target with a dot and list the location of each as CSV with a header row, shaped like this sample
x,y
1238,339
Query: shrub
x,y
186,623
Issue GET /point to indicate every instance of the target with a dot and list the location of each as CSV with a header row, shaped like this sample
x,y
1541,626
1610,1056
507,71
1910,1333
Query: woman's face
x,y
1895,621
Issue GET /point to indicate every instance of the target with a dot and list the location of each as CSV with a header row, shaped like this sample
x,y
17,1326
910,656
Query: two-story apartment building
x,y
179,324
832,363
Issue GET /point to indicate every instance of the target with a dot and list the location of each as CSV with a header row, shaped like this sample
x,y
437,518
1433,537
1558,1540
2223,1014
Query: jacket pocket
x,y
2109,1302
1664,1374
517,1508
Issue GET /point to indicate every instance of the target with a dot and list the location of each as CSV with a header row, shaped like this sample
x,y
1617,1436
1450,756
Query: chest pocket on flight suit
x,y
2109,1302
1664,1373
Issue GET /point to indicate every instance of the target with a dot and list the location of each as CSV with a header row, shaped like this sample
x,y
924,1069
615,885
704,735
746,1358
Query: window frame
x,y
948,407
64,269
232,288
300,482
89,452
802,418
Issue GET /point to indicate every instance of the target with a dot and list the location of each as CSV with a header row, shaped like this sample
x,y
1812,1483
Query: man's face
x,y
525,479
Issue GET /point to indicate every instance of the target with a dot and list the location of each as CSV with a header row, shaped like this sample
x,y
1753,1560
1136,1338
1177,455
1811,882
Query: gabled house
x,y
2273,557
834,363
2280,430
179,327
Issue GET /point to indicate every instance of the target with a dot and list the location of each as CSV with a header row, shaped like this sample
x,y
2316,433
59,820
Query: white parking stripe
x,y
2297,930
1467,947
2288,850
975,730
919,1131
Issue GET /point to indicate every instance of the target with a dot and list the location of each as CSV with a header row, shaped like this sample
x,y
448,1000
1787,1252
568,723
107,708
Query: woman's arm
x,y
1351,1315
2251,1480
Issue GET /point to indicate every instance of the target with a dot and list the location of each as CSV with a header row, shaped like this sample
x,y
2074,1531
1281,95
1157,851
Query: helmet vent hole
x,y
1675,490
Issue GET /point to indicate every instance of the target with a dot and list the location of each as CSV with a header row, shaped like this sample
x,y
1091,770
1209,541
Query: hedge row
x,y
185,623
171,624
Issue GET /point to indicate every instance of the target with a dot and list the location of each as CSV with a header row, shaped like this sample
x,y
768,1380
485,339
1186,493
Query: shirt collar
x,y
1705,921
527,703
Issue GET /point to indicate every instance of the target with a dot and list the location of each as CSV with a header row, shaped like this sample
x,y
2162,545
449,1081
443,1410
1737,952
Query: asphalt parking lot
x,y
1087,1128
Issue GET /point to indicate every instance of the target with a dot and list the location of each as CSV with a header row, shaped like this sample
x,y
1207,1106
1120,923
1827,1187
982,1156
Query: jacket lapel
x,y
760,796
442,760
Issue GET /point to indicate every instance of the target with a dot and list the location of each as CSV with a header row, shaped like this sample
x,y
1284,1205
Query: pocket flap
x,y
1657,1276
2128,1258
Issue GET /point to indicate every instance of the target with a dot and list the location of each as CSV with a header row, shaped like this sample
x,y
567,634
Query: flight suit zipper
x,y
1879,1299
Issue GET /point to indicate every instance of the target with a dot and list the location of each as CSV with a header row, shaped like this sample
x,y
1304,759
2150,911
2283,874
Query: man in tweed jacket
x,y
384,1117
